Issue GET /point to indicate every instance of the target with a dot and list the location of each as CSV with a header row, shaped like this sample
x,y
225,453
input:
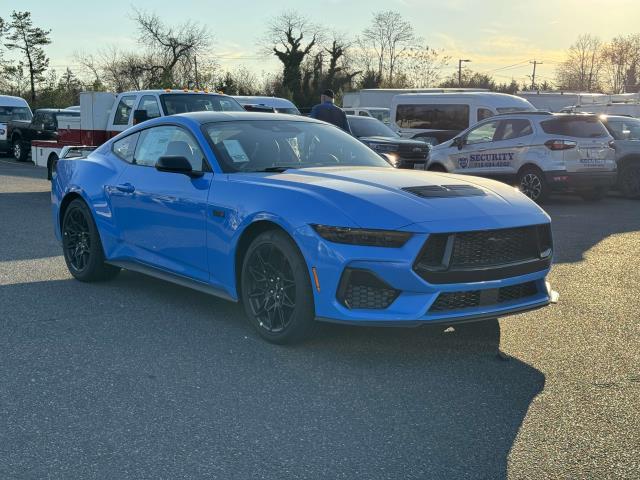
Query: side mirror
x,y
140,116
176,164
458,142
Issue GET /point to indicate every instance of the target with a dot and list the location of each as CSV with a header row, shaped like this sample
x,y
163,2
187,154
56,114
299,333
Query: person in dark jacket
x,y
327,111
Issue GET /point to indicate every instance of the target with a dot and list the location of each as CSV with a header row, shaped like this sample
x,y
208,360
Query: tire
x,y
51,165
276,289
594,195
629,180
82,247
532,183
20,153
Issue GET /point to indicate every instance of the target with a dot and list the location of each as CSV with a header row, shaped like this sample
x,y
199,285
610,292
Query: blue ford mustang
x,y
300,222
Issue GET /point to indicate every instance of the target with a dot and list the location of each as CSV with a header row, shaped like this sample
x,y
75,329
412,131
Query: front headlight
x,y
361,236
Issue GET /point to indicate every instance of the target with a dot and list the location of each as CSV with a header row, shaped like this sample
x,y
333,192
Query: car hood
x,y
375,197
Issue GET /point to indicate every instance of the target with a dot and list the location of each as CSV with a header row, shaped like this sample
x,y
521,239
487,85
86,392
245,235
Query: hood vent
x,y
445,191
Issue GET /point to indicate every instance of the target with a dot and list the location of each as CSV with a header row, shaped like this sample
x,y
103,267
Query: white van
x,y
381,114
11,108
418,113
280,105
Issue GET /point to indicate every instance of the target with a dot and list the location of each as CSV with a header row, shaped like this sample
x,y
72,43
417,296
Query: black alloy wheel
x,y
19,152
276,290
81,245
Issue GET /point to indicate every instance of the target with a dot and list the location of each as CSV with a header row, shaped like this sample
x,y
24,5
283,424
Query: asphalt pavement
x,y
141,379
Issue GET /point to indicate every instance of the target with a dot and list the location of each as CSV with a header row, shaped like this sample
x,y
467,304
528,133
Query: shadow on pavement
x,y
578,225
138,378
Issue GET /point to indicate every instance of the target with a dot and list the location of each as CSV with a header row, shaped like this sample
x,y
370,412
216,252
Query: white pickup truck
x,y
103,115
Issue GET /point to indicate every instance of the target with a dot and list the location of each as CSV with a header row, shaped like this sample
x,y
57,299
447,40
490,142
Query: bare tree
x,y
389,36
582,69
169,46
422,66
621,59
291,37
29,40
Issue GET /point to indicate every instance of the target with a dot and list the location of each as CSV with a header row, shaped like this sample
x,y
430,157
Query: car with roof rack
x,y
540,152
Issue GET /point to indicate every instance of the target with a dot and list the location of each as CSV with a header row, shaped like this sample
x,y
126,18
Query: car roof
x,y
263,100
11,101
212,117
172,91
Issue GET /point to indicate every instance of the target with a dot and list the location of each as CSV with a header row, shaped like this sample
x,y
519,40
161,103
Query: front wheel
x,y
82,247
629,180
532,183
19,152
276,289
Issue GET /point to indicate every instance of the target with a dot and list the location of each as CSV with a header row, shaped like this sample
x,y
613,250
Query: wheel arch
x,y
529,165
52,156
629,158
64,204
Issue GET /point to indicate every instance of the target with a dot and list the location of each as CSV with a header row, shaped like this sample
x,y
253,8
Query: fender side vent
x,y
445,191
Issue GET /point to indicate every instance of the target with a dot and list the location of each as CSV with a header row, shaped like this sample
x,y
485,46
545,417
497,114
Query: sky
x,y
499,37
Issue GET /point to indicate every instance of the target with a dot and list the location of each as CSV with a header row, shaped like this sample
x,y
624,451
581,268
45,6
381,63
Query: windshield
x,y
515,109
15,113
174,103
289,110
370,127
627,129
259,145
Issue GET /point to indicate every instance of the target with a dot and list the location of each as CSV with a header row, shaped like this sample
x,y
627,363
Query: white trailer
x,y
382,97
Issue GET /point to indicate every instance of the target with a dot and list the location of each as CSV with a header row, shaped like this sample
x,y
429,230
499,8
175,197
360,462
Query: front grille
x,y
413,151
485,254
361,289
448,301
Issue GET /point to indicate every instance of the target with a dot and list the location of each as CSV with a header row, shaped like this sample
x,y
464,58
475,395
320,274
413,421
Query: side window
x,y
364,113
484,113
168,140
125,147
482,134
49,121
515,128
37,119
437,117
123,110
149,104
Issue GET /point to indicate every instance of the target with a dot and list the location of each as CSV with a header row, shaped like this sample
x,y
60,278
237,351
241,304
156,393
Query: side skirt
x,y
173,278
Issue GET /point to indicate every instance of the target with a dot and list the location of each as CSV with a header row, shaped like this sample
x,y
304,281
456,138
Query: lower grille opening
x,y
361,289
448,301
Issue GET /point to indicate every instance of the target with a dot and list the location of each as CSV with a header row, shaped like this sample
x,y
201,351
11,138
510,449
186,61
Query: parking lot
x,y
138,378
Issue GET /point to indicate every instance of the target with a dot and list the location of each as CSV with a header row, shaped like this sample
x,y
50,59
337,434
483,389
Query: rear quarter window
x,y
575,127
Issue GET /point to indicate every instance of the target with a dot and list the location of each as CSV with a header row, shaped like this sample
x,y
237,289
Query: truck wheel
x,y
51,165
594,195
532,183
19,152
629,180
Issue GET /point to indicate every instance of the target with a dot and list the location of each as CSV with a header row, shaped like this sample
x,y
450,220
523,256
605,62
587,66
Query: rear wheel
x,y
276,289
532,183
51,165
82,247
629,180
20,153
593,195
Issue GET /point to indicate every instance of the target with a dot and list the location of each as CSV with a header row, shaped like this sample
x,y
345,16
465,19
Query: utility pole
x,y
195,66
533,77
460,62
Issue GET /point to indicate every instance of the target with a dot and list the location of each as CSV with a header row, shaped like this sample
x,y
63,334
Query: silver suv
x,y
538,151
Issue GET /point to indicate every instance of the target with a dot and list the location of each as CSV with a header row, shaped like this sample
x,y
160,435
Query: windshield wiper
x,y
280,169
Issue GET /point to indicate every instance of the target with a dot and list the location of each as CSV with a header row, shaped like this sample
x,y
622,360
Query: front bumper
x,y
415,300
578,181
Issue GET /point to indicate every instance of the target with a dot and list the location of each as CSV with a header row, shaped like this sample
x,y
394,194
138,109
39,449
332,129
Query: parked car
x,y
43,126
280,105
11,109
301,223
400,152
538,151
423,113
626,142
381,114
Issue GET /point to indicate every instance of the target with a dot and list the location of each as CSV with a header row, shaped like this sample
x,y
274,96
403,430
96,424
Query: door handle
x,y
126,188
